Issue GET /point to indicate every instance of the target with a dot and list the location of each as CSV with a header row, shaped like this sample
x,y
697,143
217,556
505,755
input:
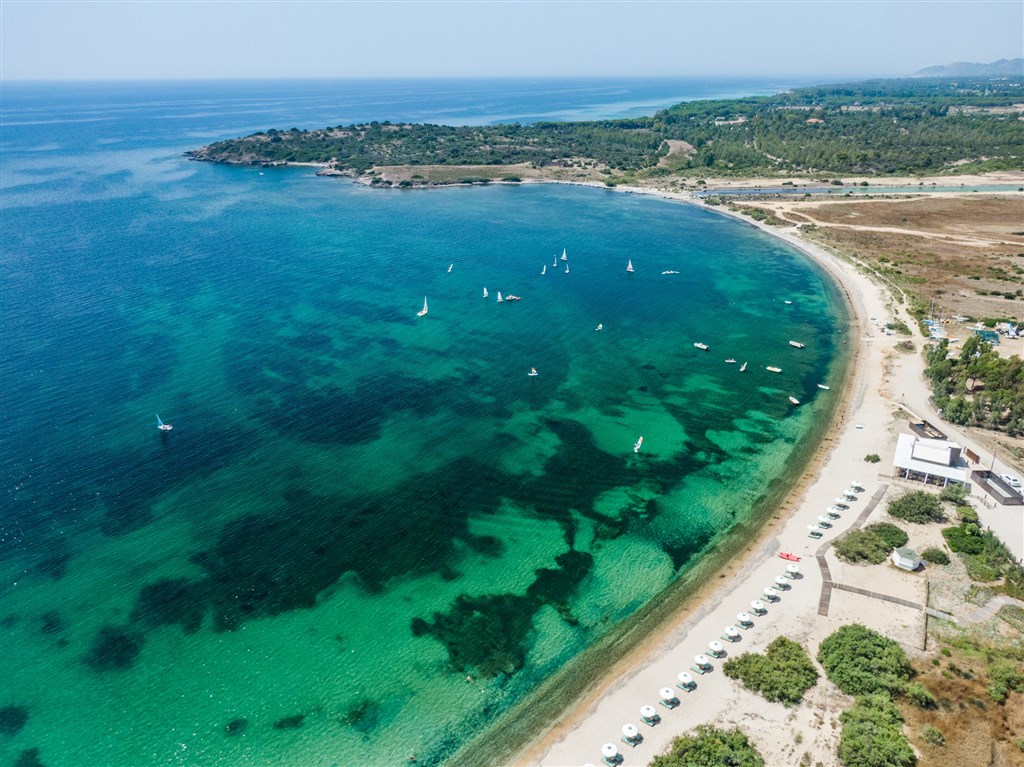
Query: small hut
x,y
906,559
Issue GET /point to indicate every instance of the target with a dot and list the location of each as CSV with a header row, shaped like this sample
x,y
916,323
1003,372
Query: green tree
x,y
710,747
860,661
872,735
783,674
918,506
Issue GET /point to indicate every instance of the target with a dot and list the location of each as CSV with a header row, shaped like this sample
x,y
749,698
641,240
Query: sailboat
x,y
565,257
555,262
629,266
544,270
450,268
485,292
743,367
500,299
422,311
636,447
161,425
533,372
600,326
566,268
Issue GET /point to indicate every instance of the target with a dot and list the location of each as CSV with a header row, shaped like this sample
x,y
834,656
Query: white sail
x,y
423,311
500,299
544,270
636,447
565,256
450,268
485,292
629,265
566,268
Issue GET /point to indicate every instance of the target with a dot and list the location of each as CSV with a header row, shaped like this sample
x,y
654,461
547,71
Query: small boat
x,y
702,347
485,292
794,400
565,257
422,311
533,372
161,425
743,367
555,262
544,270
600,326
510,297
629,266
796,344
790,557
500,299
636,447
822,386
670,271
450,268
566,268
731,361
787,302
771,369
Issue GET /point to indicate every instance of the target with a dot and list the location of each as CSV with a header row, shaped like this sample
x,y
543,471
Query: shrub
x,y
710,746
963,541
918,507
872,458
935,556
872,735
860,661
893,536
1006,675
967,515
784,673
956,494
920,695
933,735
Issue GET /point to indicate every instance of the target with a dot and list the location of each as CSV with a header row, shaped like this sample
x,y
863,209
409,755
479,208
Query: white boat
x,y
771,369
702,347
629,266
566,268
796,344
636,447
743,367
600,326
822,386
485,292
670,271
500,299
555,262
565,257
731,361
544,270
161,425
533,372
794,400
787,302
422,311
450,268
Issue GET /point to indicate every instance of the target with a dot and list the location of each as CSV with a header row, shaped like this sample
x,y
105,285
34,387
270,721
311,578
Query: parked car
x,y
1011,480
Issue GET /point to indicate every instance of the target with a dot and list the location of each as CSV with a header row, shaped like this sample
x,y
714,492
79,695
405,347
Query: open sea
x,y
369,534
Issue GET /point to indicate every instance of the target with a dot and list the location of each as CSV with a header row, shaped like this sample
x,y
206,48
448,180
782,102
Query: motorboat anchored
x,y
636,447
702,347
794,400
796,344
771,369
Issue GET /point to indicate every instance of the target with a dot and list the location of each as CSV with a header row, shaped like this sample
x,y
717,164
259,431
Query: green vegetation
x,y
919,695
784,673
979,388
933,735
872,458
710,747
872,735
918,507
872,544
880,127
986,557
860,661
935,556
1006,675
956,494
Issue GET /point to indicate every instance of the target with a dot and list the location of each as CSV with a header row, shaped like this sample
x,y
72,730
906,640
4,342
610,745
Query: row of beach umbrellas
x,y
833,512
702,663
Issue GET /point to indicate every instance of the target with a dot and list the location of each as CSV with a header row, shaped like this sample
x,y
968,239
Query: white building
x,y
929,460
906,559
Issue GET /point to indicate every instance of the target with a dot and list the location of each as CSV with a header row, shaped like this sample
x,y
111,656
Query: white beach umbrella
x,y
667,693
855,483
793,568
702,660
608,751
731,631
769,592
715,646
851,490
758,605
840,502
629,730
745,617
813,527
782,581
648,712
824,520
684,678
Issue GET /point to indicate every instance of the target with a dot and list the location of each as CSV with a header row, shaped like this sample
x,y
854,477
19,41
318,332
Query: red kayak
x,y
790,557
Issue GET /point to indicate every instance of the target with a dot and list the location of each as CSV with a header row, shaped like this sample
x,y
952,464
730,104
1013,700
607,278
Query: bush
x,y
872,735
918,507
709,746
956,494
919,695
893,536
967,515
963,540
1006,675
860,661
935,556
933,735
784,673
872,458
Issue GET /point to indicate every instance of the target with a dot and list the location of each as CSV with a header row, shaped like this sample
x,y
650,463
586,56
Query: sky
x,y
209,39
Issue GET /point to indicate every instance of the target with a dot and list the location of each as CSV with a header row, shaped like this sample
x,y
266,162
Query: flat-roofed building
x,y
936,461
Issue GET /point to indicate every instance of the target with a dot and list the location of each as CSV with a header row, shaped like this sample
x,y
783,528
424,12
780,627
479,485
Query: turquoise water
x,y
357,509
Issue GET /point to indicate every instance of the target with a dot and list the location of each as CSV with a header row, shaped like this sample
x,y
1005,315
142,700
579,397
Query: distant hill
x,y
1003,67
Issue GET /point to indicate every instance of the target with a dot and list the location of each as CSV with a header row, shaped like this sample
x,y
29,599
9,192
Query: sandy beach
x,y
883,389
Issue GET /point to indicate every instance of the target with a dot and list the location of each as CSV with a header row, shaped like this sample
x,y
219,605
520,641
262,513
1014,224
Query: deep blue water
x,y
356,507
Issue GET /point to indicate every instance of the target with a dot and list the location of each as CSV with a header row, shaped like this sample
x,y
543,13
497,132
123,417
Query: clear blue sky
x,y
171,40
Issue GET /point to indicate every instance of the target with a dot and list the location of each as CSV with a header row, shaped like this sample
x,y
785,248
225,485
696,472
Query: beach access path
x,y
868,422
